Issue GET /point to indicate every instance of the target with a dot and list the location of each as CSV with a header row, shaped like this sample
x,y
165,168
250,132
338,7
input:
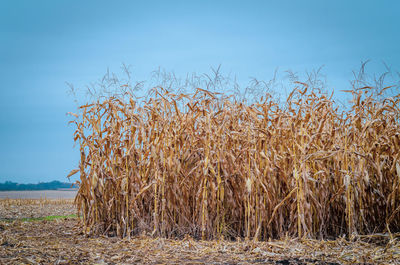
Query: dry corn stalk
x,y
213,167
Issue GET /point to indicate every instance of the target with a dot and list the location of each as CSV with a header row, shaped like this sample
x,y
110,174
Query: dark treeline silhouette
x,y
53,185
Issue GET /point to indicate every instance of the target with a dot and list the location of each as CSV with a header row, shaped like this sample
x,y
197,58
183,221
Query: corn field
x,y
212,167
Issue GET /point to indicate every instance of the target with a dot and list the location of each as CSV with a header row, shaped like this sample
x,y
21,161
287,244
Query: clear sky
x,y
44,44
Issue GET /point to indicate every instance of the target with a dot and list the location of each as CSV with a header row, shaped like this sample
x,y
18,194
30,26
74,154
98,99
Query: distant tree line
x,y
53,185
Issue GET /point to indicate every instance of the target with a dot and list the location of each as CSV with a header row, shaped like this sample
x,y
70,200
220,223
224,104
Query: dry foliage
x,y
206,165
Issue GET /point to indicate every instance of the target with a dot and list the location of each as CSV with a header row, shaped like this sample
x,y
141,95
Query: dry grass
x,y
206,165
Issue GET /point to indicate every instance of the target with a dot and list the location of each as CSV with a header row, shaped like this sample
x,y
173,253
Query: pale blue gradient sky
x,y
44,44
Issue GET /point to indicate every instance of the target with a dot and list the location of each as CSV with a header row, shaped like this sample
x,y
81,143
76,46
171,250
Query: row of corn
x,y
207,165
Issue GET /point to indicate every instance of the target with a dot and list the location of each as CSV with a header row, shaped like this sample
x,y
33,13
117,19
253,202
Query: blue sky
x,y
44,44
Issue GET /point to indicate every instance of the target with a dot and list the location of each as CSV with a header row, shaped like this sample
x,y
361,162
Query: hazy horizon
x,y
44,44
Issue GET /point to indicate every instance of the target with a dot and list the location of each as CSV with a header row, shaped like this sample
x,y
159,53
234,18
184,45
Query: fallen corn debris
x,y
62,242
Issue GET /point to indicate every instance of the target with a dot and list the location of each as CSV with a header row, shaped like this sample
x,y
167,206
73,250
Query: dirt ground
x,y
61,241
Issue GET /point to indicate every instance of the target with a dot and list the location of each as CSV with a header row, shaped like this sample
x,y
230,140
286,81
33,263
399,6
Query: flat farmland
x,y
39,194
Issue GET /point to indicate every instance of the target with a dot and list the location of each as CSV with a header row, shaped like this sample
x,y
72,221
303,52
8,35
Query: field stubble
x,y
61,241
